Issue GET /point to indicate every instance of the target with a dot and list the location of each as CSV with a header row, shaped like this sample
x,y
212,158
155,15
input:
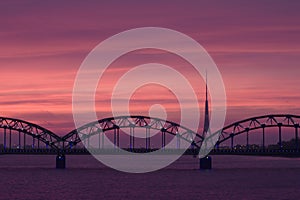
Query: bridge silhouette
x,y
22,137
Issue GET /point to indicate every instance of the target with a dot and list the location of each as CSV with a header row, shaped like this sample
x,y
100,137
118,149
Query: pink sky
x,y
255,44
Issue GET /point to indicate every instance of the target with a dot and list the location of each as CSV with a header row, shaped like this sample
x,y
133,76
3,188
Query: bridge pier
x,y
205,163
60,161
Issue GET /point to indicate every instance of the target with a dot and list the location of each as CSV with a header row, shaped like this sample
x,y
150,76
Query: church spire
x,y
206,119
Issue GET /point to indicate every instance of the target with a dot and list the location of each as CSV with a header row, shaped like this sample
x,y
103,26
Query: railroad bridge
x,y
22,137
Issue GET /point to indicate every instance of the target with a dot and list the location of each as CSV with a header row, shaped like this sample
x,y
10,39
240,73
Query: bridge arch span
x,y
115,123
260,122
27,129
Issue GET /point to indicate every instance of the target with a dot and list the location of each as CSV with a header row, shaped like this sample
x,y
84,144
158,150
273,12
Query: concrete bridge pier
x,y
60,161
206,163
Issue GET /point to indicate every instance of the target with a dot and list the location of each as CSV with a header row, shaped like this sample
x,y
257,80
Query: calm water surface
x,y
233,177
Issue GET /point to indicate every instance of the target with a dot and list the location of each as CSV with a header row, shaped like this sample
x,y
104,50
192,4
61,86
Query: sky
x,y
255,44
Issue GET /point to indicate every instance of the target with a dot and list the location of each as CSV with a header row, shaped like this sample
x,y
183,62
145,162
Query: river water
x,y
232,177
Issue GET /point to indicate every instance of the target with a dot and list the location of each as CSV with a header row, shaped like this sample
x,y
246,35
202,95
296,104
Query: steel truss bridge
x,y
18,136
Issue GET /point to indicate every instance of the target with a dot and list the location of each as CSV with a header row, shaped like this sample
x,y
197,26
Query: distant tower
x,y
206,119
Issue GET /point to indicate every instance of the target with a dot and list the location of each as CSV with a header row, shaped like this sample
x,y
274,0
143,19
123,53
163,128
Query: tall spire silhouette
x,y
206,119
